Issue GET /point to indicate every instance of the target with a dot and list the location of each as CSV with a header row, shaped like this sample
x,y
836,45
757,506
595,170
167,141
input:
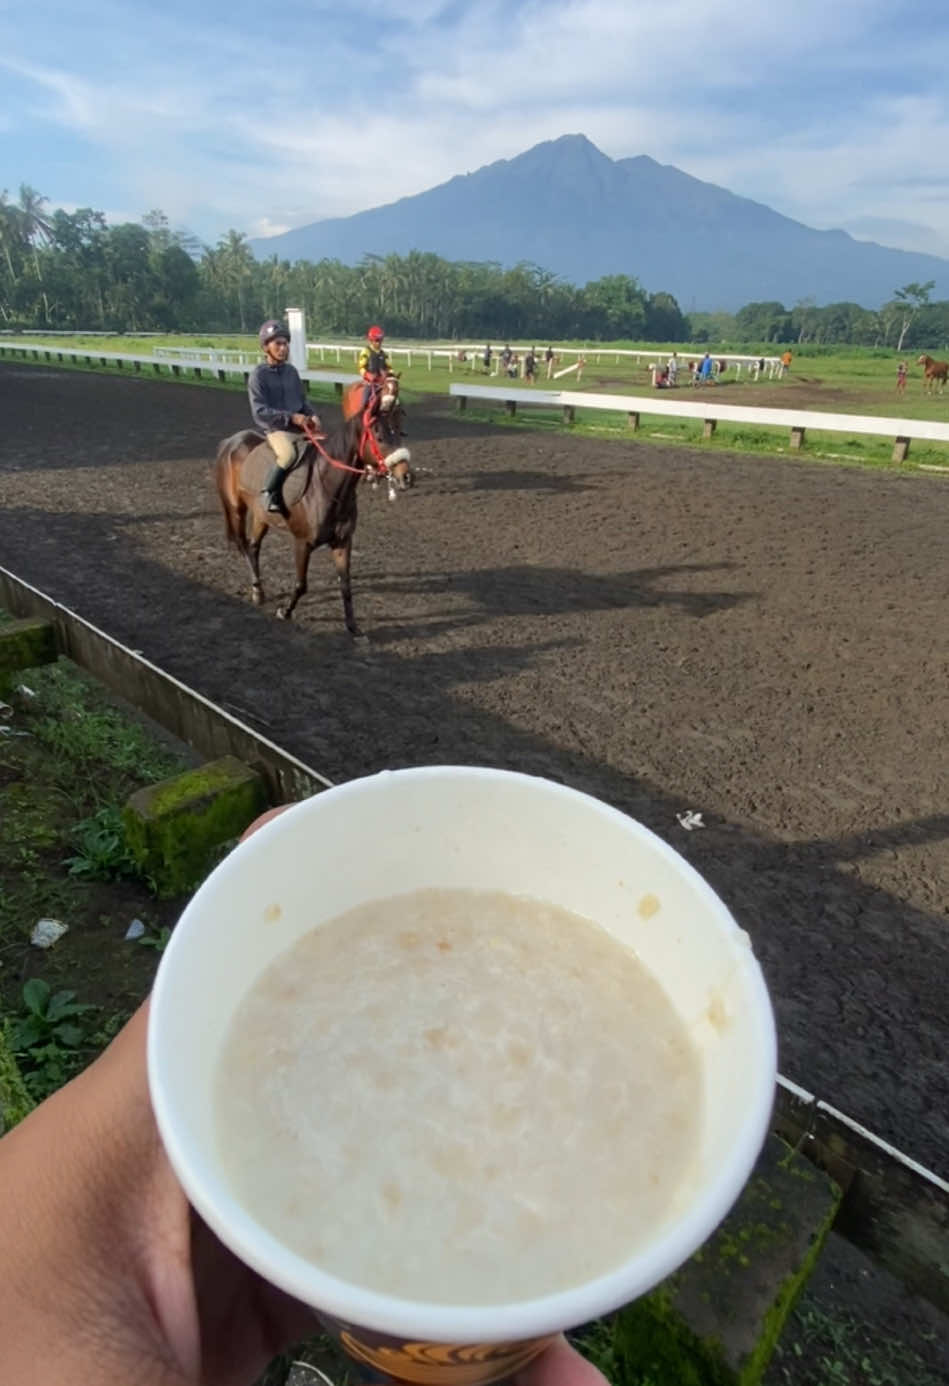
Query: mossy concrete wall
x,y
15,1101
175,829
717,1320
23,645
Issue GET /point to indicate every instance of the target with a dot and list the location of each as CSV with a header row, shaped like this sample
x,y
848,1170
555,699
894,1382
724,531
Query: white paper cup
x,y
458,827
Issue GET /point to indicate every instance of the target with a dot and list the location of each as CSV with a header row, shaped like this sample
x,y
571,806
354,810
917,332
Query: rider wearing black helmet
x,y
278,406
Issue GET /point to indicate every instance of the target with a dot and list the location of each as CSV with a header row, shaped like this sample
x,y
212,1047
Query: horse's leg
x,y
341,558
301,553
251,551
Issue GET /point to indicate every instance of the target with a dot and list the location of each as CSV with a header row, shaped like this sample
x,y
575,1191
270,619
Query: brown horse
x,y
934,373
383,417
320,496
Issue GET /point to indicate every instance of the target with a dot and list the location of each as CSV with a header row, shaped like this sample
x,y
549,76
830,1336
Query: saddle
x,y
300,445
297,475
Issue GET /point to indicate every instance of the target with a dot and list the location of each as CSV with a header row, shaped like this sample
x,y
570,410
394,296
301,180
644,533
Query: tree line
x,y
72,271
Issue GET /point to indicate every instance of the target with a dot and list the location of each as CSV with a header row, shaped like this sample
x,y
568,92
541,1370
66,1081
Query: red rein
x,y
317,440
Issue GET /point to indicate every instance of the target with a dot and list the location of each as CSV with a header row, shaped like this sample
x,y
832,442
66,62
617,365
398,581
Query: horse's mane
x,y
343,439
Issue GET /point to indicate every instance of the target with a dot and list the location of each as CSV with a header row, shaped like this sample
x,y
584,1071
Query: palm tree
x,y
36,223
36,227
237,263
11,233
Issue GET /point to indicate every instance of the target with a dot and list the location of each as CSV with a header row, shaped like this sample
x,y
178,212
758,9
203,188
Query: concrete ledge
x,y
179,709
24,644
716,1321
175,829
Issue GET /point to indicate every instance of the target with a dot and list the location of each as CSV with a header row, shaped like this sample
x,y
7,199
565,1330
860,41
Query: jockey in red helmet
x,y
373,362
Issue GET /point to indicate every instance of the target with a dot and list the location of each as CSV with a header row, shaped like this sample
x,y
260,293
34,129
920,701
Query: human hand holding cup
x,y
449,829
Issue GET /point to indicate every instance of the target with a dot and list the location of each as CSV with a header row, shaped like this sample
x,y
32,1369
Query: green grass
x,y
836,1350
69,758
854,381
100,756
665,430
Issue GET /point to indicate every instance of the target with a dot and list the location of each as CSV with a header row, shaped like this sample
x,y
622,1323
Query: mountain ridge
x,y
565,205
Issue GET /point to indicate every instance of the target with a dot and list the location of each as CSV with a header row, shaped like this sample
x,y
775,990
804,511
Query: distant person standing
x,y
901,378
506,358
530,365
786,361
487,359
705,369
549,358
672,369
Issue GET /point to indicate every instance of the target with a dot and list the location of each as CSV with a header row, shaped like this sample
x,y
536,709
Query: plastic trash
x,y
135,930
690,819
47,931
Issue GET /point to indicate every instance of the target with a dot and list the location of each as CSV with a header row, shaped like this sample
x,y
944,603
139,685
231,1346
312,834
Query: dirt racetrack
x,y
765,641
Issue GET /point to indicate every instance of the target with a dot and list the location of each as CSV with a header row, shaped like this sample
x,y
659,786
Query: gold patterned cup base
x,y
385,1359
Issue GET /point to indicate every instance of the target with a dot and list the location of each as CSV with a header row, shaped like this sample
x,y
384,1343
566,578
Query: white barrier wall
x,y
297,326
709,412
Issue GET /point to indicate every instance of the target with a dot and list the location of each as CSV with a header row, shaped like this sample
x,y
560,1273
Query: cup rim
x,y
209,1194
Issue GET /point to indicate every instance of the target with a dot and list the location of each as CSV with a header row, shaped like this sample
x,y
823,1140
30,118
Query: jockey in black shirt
x,y
278,406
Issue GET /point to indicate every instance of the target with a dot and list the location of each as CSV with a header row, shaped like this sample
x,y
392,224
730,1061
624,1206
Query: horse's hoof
x,y
257,596
282,613
360,641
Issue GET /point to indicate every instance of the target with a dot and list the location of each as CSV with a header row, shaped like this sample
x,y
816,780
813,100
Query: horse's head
x,y
387,436
388,397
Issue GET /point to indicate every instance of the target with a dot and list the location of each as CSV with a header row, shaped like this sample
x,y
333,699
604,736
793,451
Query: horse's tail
x,y
230,455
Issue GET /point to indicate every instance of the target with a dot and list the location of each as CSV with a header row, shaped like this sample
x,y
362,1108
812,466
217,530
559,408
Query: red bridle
x,y
317,440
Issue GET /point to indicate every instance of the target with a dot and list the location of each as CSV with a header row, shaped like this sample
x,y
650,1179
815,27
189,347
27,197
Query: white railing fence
x,y
470,356
706,410
173,361
709,413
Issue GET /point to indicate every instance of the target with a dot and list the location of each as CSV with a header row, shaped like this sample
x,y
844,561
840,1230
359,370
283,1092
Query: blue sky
x,y
260,117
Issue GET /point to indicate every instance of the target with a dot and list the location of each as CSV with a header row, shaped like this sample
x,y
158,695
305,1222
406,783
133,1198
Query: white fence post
x,y
297,338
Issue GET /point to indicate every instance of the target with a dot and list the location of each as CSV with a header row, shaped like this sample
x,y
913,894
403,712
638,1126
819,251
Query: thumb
x,y
560,1365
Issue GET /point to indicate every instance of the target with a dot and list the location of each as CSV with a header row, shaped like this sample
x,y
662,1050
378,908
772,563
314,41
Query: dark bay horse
x,y
934,373
320,496
383,419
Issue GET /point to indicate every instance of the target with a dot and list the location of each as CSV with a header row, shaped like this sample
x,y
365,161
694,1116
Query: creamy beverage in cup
x,y
533,1100
529,1087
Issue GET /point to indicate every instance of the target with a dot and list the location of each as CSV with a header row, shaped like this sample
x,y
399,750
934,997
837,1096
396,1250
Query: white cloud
x,y
113,217
804,108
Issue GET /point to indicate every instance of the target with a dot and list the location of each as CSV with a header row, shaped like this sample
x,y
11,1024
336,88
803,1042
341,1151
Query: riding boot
x,y
273,490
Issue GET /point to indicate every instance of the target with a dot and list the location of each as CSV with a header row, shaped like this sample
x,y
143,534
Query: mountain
x,y
568,207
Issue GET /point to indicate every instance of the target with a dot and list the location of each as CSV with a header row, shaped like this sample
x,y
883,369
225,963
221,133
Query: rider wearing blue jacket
x,y
278,407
